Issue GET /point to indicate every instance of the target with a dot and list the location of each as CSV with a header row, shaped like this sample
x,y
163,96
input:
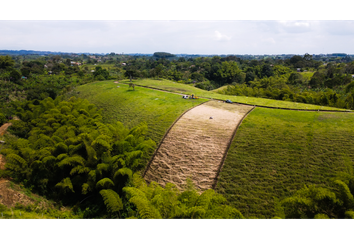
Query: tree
x,y
317,80
131,72
250,76
307,57
319,202
101,72
295,59
6,61
227,72
154,202
197,76
69,154
267,71
15,76
295,78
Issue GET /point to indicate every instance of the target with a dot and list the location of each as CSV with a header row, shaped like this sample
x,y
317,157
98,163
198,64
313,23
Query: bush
x,y
2,119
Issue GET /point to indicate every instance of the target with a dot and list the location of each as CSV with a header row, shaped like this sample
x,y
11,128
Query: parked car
x,y
228,101
185,96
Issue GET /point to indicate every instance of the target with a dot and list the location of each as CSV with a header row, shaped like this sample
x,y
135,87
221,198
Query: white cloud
x,y
193,37
221,37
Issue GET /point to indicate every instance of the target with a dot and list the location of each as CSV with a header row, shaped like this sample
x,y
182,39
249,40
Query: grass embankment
x,y
187,89
276,152
131,107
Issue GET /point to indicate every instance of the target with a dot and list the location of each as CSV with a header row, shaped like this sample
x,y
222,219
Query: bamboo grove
x,y
66,153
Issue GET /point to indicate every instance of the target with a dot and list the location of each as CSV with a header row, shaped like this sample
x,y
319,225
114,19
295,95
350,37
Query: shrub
x,y
2,119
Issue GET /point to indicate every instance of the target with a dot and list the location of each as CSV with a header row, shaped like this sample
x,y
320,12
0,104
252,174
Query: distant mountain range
x,y
33,52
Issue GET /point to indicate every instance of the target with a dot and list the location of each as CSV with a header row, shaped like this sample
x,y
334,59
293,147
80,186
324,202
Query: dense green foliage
x,y
328,86
318,202
65,151
153,201
266,78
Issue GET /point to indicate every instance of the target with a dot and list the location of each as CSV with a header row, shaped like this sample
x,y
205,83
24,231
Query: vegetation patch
x,y
131,107
276,152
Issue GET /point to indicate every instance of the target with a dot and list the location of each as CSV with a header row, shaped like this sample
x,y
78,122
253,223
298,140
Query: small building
x,y
352,76
298,69
124,64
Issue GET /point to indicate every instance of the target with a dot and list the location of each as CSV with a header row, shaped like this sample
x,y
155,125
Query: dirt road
x,y
195,145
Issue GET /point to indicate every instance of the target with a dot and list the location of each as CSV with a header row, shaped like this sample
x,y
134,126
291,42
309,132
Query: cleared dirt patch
x,y
4,127
195,145
9,197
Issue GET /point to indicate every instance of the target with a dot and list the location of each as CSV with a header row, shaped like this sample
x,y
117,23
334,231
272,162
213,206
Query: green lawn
x,y
276,152
188,89
158,109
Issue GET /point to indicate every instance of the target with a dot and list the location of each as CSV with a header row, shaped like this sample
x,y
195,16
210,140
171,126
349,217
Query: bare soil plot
x,y
9,197
196,144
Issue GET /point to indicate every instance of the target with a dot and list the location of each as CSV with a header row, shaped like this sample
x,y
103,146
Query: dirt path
x,y
195,145
4,127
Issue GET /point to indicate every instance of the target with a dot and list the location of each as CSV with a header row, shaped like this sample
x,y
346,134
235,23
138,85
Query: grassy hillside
x,y
276,152
187,89
158,109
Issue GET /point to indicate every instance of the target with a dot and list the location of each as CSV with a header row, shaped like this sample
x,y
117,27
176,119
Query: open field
x,y
307,75
187,89
276,152
158,109
195,145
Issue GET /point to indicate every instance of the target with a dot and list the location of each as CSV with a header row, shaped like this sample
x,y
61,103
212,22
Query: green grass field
x,y
276,152
187,89
307,75
158,109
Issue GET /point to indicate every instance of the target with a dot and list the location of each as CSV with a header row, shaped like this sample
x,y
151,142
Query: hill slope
x,y
188,89
131,107
276,152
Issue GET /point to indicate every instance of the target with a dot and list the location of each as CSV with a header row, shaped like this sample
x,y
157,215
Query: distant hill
x,y
163,55
33,52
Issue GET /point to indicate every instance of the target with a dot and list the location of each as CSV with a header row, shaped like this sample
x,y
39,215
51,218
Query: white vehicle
x,y
185,96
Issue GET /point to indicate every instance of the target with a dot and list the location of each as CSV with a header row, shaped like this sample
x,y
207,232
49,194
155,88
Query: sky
x,y
180,36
